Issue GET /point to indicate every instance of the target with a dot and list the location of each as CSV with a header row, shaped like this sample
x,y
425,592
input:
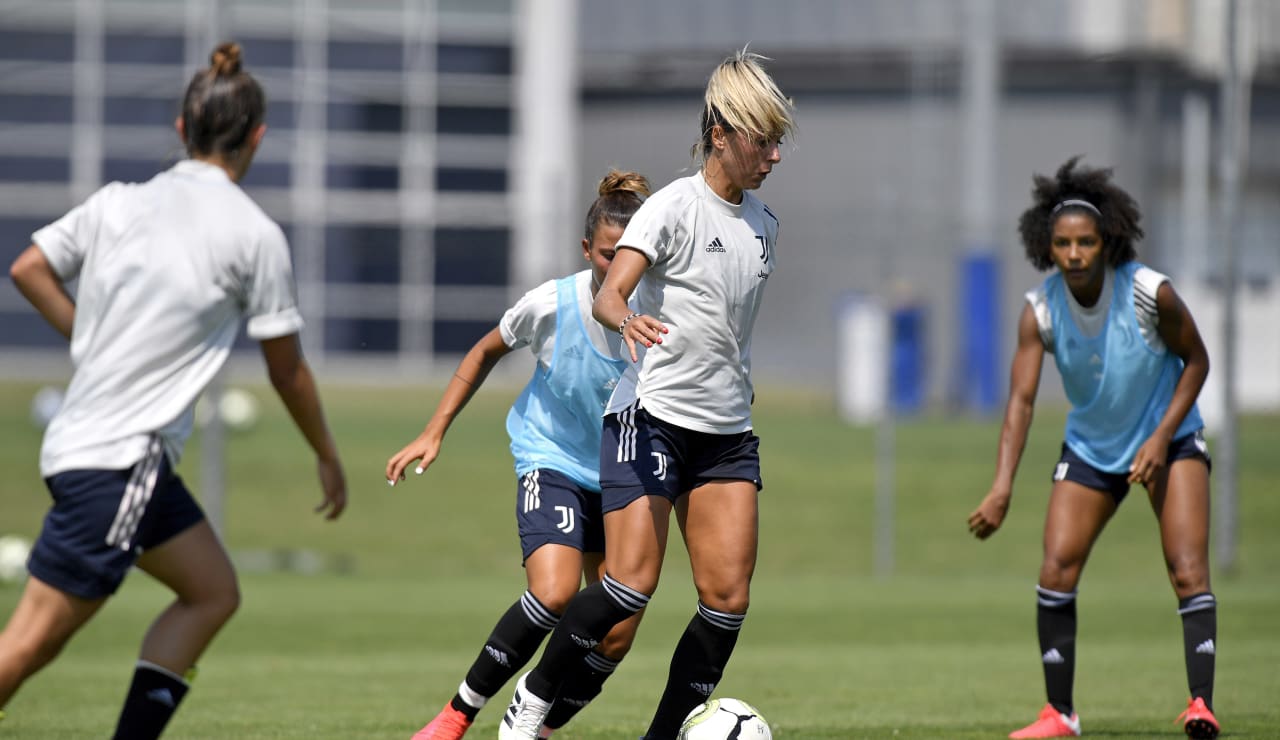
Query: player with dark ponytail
x,y
166,271
223,106
555,433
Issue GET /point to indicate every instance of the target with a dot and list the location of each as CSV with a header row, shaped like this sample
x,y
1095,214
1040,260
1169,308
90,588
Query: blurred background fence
x,y
431,160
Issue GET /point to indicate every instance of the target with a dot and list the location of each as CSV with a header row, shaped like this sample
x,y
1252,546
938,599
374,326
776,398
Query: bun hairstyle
x,y
1086,190
620,196
223,104
741,96
225,60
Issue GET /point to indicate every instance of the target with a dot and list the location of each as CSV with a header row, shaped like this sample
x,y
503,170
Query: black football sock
x,y
696,667
1199,631
1056,624
153,697
591,614
513,642
579,688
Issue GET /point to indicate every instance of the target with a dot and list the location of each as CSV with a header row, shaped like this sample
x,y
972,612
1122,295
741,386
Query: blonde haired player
x,y
677,431
555,439
166,270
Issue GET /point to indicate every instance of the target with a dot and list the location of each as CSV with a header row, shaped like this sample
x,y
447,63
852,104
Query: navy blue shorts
x,y
1071,467
552,509
102,520
641,454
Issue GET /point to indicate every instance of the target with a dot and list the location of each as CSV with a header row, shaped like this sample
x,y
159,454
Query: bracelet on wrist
x,y
622,327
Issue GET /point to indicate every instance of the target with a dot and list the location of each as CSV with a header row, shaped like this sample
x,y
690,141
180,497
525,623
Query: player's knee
x,y
729,600
219,602
230,601
556,601
729,592
555,594
217,593
1189,574
33,651
1060,573
642,579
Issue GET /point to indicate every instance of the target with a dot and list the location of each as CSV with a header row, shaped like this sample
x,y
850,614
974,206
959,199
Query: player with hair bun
x,y
165,272
677,432
555,439
1132,364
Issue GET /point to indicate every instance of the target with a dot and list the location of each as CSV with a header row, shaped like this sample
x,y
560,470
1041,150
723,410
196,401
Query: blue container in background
x,y
979,346
907,358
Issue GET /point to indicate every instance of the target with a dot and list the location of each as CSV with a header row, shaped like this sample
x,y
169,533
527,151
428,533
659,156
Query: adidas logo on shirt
x,y
1205,648
715,245
1053,657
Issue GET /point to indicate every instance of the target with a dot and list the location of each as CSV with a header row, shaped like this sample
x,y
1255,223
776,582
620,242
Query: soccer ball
x,y
44,404
238,409
13,558
722,719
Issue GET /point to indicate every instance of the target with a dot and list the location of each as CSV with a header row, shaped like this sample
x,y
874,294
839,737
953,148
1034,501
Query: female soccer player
x,y
678,431
1132,365
555,439
166,271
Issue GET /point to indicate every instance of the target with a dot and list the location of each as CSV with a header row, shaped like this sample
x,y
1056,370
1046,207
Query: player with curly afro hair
x,y
1076,189
1132,364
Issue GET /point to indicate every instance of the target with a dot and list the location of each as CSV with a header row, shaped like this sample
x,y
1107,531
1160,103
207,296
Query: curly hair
x,y
1117,213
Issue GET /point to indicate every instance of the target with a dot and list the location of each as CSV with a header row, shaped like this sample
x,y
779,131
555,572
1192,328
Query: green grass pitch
x,y
945,648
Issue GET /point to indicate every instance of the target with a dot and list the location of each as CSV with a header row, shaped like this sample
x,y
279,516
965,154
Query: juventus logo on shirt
x,y
764,248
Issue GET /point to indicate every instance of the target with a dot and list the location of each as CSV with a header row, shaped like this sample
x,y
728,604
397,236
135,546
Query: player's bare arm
x,y
39,284
1024,382
293,382
610,306
1179,333
467,379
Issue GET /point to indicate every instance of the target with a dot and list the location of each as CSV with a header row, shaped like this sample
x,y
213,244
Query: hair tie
x,y
1079,202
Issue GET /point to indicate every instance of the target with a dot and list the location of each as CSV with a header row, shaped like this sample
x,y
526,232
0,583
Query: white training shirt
x,y
167,269
531,322
708,262
1091,320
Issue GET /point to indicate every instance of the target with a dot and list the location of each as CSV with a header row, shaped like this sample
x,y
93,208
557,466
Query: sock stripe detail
x,y
624,596
1054,599
1197,603
723,620
600,663
537,613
